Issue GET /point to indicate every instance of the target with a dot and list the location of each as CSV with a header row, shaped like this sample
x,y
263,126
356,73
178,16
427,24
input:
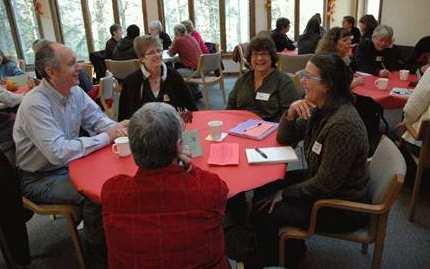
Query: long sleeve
x,y
182,91
290,132
419,101
10,99
365,59
231,103
93,119
287,94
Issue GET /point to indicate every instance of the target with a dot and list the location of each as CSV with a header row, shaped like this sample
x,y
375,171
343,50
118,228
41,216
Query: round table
x,y
383,97
89,173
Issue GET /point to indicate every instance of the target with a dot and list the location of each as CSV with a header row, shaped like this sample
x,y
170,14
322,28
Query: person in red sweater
x,y
187,48
192,31
169,214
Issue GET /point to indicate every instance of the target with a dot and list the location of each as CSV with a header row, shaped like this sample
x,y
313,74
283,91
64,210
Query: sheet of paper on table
x,y
272,155
191,138
224,154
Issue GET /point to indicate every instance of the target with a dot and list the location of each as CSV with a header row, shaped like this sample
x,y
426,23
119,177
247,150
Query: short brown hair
x,y
328,43
142,43
263,44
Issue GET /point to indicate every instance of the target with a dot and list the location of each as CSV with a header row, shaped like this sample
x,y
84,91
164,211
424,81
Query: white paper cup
x,y
404,74
215,129
121,146
381,83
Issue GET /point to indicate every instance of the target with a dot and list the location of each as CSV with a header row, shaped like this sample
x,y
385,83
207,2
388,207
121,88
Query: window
x,y
6,40
72,24
236,22
283,8
101,19
308,8
27,27
372,7
207,20
131,12
176,11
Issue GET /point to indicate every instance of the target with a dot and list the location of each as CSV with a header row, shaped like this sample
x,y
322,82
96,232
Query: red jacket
x,y
165,218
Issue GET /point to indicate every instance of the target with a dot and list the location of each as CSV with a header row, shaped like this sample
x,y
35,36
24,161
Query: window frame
x,y
222,21
15,32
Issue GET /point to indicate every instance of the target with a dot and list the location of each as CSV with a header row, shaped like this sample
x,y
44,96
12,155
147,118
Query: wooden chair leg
x,y
221,86
205,96
364,248
76,241
282,251
415,192
379,242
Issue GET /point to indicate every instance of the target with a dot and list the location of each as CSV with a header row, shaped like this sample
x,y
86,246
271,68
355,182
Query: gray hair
x,y
383,31
188,25
154,131
180,29
156,24
39,43
45,57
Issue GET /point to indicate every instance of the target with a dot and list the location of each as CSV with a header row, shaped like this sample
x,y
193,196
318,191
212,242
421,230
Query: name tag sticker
x,y
262,96
316,148
379,58
166,98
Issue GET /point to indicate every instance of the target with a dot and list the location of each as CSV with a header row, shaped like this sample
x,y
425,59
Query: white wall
x,y
410,19
341,9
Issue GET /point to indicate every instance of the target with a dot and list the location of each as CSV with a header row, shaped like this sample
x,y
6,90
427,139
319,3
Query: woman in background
x,y
192,31
8,68
367,24
308,41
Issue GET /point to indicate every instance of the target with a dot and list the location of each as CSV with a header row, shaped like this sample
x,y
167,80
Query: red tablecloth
x,y
88,174
383,97
290,52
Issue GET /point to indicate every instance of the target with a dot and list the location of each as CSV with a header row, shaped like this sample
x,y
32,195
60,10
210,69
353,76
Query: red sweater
x,y
165,218
188,49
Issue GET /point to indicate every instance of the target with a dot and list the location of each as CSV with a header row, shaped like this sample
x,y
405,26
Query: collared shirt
x,y
9,99
46,131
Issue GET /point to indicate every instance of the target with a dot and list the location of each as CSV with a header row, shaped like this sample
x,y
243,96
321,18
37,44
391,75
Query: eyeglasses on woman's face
x,y
309,76
152,52
260,53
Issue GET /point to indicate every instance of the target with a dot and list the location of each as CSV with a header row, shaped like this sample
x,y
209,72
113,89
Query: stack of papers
x,y
271,155
224,154
254,129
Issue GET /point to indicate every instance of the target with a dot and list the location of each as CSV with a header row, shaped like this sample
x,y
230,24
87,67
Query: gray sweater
x,y
335,147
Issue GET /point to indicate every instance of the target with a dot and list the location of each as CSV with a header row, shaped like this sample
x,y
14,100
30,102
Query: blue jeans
x,y
54,187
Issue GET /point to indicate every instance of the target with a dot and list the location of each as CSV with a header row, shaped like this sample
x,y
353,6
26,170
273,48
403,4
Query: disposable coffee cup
x,y
381,83
215,129
121,146
404,74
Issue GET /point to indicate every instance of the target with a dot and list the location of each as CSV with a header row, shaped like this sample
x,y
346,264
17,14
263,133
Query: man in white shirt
x,y
46,135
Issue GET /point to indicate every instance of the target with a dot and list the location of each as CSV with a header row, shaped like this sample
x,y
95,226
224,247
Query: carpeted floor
x,y
407,245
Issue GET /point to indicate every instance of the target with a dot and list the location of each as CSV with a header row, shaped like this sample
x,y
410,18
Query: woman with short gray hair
x,y
182,203
153,82
378,56
156,30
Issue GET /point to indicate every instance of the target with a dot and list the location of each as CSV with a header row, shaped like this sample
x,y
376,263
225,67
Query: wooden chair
x,y
386,170
292,64
89,69
106,95
208,64
72,216
121,69
243,63
422,161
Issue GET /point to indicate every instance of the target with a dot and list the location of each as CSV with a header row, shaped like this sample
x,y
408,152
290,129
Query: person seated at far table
x,y
279,35
192,31
263,90
308,41
156,30
116,35
188,50
348,23
153,82
8,68
379,56
420,59
46,135
124,49
367,25
169,214
335,148
338,40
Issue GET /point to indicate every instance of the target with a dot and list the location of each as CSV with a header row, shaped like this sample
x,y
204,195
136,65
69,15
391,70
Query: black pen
x,y
261,153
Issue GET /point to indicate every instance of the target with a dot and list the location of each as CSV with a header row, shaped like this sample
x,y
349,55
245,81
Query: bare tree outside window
x,y
236,22
72,23
207,20
175,11
131,12
6,40
283,8
101,19
27,27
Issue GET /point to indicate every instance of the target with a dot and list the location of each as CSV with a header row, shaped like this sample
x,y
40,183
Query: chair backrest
x,y
209,63
386,170
424,136
106,86
121,69
292,63
88,68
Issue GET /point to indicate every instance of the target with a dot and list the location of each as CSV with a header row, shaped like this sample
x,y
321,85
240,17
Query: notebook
x,y
224,154
274,155
254,129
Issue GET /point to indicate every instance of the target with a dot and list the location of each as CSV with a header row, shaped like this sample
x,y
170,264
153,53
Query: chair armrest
x,y
411,131
344,205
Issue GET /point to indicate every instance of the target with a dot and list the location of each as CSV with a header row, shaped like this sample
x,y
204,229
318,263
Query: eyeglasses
x,y
153,52
260,53
308,76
